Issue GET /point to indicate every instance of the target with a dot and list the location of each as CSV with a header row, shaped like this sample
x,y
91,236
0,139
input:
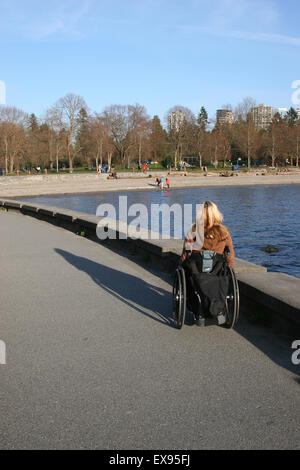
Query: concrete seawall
x,y
273,297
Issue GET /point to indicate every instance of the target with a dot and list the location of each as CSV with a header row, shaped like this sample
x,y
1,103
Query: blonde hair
x,y
213,218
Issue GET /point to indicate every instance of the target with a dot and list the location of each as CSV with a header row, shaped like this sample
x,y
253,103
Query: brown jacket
x,y
218,247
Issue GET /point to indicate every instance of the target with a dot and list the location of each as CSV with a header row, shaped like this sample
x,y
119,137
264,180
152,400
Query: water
x,y
256,216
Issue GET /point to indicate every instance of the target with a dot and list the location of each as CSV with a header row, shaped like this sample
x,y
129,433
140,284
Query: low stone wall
x,y
273,297
73,177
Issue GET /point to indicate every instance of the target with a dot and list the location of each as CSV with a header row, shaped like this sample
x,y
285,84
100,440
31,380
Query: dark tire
x,y
232,300
179,298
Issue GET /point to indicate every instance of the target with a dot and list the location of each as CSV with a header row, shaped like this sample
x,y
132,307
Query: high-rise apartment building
x,y
262,116
175,120
225,116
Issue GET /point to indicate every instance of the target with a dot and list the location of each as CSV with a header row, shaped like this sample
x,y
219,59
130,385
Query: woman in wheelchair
x,y
208,261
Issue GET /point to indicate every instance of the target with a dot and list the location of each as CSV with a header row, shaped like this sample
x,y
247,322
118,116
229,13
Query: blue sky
x,y
158,53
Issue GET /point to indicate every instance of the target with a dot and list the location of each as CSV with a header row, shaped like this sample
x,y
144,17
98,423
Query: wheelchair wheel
x,y
179,297
232,300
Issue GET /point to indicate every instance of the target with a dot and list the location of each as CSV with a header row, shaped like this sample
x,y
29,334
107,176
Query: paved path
x,y
93,362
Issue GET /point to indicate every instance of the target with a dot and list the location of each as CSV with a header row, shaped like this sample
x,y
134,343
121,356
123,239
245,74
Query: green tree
x,y
84,138
292,116
158,139
201,140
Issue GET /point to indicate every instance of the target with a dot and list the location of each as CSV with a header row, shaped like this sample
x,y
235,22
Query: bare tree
x,y
68,108
139,130
12,121
220,147
57,139
296,140
228,107
179,120
243,109
98,135
116,121
125,125
248,138
275,141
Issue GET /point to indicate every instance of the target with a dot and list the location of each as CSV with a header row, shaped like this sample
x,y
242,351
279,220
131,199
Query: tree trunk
x,y
273,151
11,164
6,157
175,159
99,155
109,155
70,160
140,151
200,159
216,157
57,152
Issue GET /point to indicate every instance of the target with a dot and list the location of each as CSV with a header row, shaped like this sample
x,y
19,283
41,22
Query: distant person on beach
x,y
168,183
162,183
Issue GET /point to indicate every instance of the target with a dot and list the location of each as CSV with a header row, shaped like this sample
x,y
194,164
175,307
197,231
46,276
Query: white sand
x,y
69,184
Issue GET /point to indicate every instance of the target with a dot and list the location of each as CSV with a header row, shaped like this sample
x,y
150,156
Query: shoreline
x,y
83,184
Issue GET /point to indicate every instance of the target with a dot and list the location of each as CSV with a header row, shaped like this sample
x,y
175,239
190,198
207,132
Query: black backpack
x,y
207,271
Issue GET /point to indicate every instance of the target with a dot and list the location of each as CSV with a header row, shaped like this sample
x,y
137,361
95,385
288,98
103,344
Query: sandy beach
x,y
17,186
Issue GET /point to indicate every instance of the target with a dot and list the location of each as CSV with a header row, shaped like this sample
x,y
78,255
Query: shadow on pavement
x,y
276,347
155,303
152,301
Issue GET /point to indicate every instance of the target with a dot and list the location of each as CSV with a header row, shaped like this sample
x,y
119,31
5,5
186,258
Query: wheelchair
x,y
208,279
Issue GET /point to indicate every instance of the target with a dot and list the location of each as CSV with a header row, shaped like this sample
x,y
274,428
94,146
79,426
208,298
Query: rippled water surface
x,y
257,216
